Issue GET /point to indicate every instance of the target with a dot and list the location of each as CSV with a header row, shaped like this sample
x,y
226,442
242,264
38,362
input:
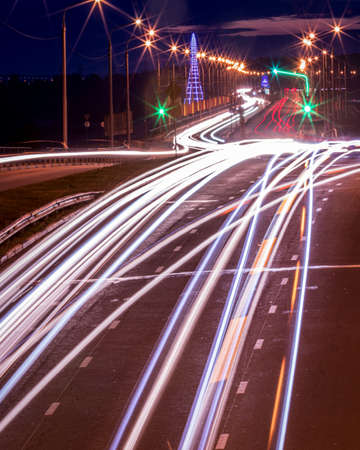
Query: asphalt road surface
x,y
213,304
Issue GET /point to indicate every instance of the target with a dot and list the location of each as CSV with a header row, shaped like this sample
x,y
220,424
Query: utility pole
x,y
111,100
64,87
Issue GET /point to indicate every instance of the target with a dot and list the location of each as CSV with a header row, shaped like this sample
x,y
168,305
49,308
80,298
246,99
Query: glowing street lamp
x,y
337,29
138,21
151,32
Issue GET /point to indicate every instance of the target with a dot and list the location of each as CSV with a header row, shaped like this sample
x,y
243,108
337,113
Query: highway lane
x,y
326,396
207,175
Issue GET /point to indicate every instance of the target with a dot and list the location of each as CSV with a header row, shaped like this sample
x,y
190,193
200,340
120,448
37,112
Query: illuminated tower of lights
x,y
194,91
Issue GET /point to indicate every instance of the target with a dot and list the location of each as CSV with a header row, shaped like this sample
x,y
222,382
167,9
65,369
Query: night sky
x,y
31,45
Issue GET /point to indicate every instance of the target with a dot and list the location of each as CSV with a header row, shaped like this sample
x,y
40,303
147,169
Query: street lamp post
x,y
111,99
128,122
332,86
64,87
158,74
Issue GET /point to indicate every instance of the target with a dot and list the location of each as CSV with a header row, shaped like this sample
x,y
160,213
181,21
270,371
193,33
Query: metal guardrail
x,y
50,160
38,214
15,149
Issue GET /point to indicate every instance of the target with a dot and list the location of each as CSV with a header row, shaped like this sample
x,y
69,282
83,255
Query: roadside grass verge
x,y
18,201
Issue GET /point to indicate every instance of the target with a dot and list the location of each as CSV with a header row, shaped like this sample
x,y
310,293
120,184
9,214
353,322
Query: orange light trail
x,y
294,289
302,225
277,403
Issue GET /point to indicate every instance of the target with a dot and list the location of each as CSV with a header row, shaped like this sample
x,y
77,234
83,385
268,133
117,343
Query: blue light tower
x,y
194,91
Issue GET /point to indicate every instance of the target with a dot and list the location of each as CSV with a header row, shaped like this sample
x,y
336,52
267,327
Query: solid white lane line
x,y
284,281
242,387
258,344
272,309
114,324
222,441
52,408
86,361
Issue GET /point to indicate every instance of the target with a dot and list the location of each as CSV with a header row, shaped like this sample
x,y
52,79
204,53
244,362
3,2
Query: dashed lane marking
x,y
222,441
178,248
193,231
242,387
325,199
272,309
52,408
114,324
338,184
294,257
331,190
159,269
258,344
86,361
318,209
284,281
